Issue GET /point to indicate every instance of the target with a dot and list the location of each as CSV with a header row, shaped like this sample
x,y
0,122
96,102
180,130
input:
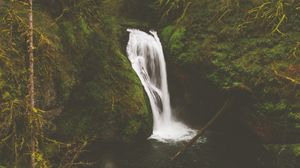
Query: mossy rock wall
x,y
219,45
107,100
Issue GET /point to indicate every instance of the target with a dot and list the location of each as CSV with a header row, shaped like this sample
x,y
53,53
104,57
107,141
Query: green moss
x,y
69,32
108,96
174,37
227,50
285,155
269,107
296,149
84,26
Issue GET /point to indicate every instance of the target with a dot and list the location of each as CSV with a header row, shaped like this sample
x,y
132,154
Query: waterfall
x,y
146,56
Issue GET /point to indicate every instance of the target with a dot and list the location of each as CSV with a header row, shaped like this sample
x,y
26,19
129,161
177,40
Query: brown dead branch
x,y
286,77
202,130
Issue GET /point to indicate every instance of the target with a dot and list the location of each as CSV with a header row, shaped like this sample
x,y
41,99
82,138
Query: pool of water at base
x,y
214,150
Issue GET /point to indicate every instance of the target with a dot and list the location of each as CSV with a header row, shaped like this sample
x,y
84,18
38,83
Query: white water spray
x,y
147,59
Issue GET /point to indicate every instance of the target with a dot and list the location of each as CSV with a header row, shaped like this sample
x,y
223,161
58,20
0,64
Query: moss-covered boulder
x,y
107,100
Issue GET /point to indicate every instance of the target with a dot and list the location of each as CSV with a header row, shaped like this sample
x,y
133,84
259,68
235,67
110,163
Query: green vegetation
x,y
254,43
86,89
248,43
85,86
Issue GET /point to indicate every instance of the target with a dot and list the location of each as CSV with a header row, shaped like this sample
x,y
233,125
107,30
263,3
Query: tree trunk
x,y
31,85
202,130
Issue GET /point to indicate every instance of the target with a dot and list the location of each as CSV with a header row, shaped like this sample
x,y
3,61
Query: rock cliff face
x,y
220,45
106,99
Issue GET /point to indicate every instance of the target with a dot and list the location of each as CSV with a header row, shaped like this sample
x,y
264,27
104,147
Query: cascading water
x,y
147,59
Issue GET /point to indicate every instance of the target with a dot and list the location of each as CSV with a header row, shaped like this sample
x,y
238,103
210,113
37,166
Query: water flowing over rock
x,y
146,56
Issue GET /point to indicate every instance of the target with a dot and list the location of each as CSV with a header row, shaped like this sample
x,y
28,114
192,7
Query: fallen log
x,y
203,129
